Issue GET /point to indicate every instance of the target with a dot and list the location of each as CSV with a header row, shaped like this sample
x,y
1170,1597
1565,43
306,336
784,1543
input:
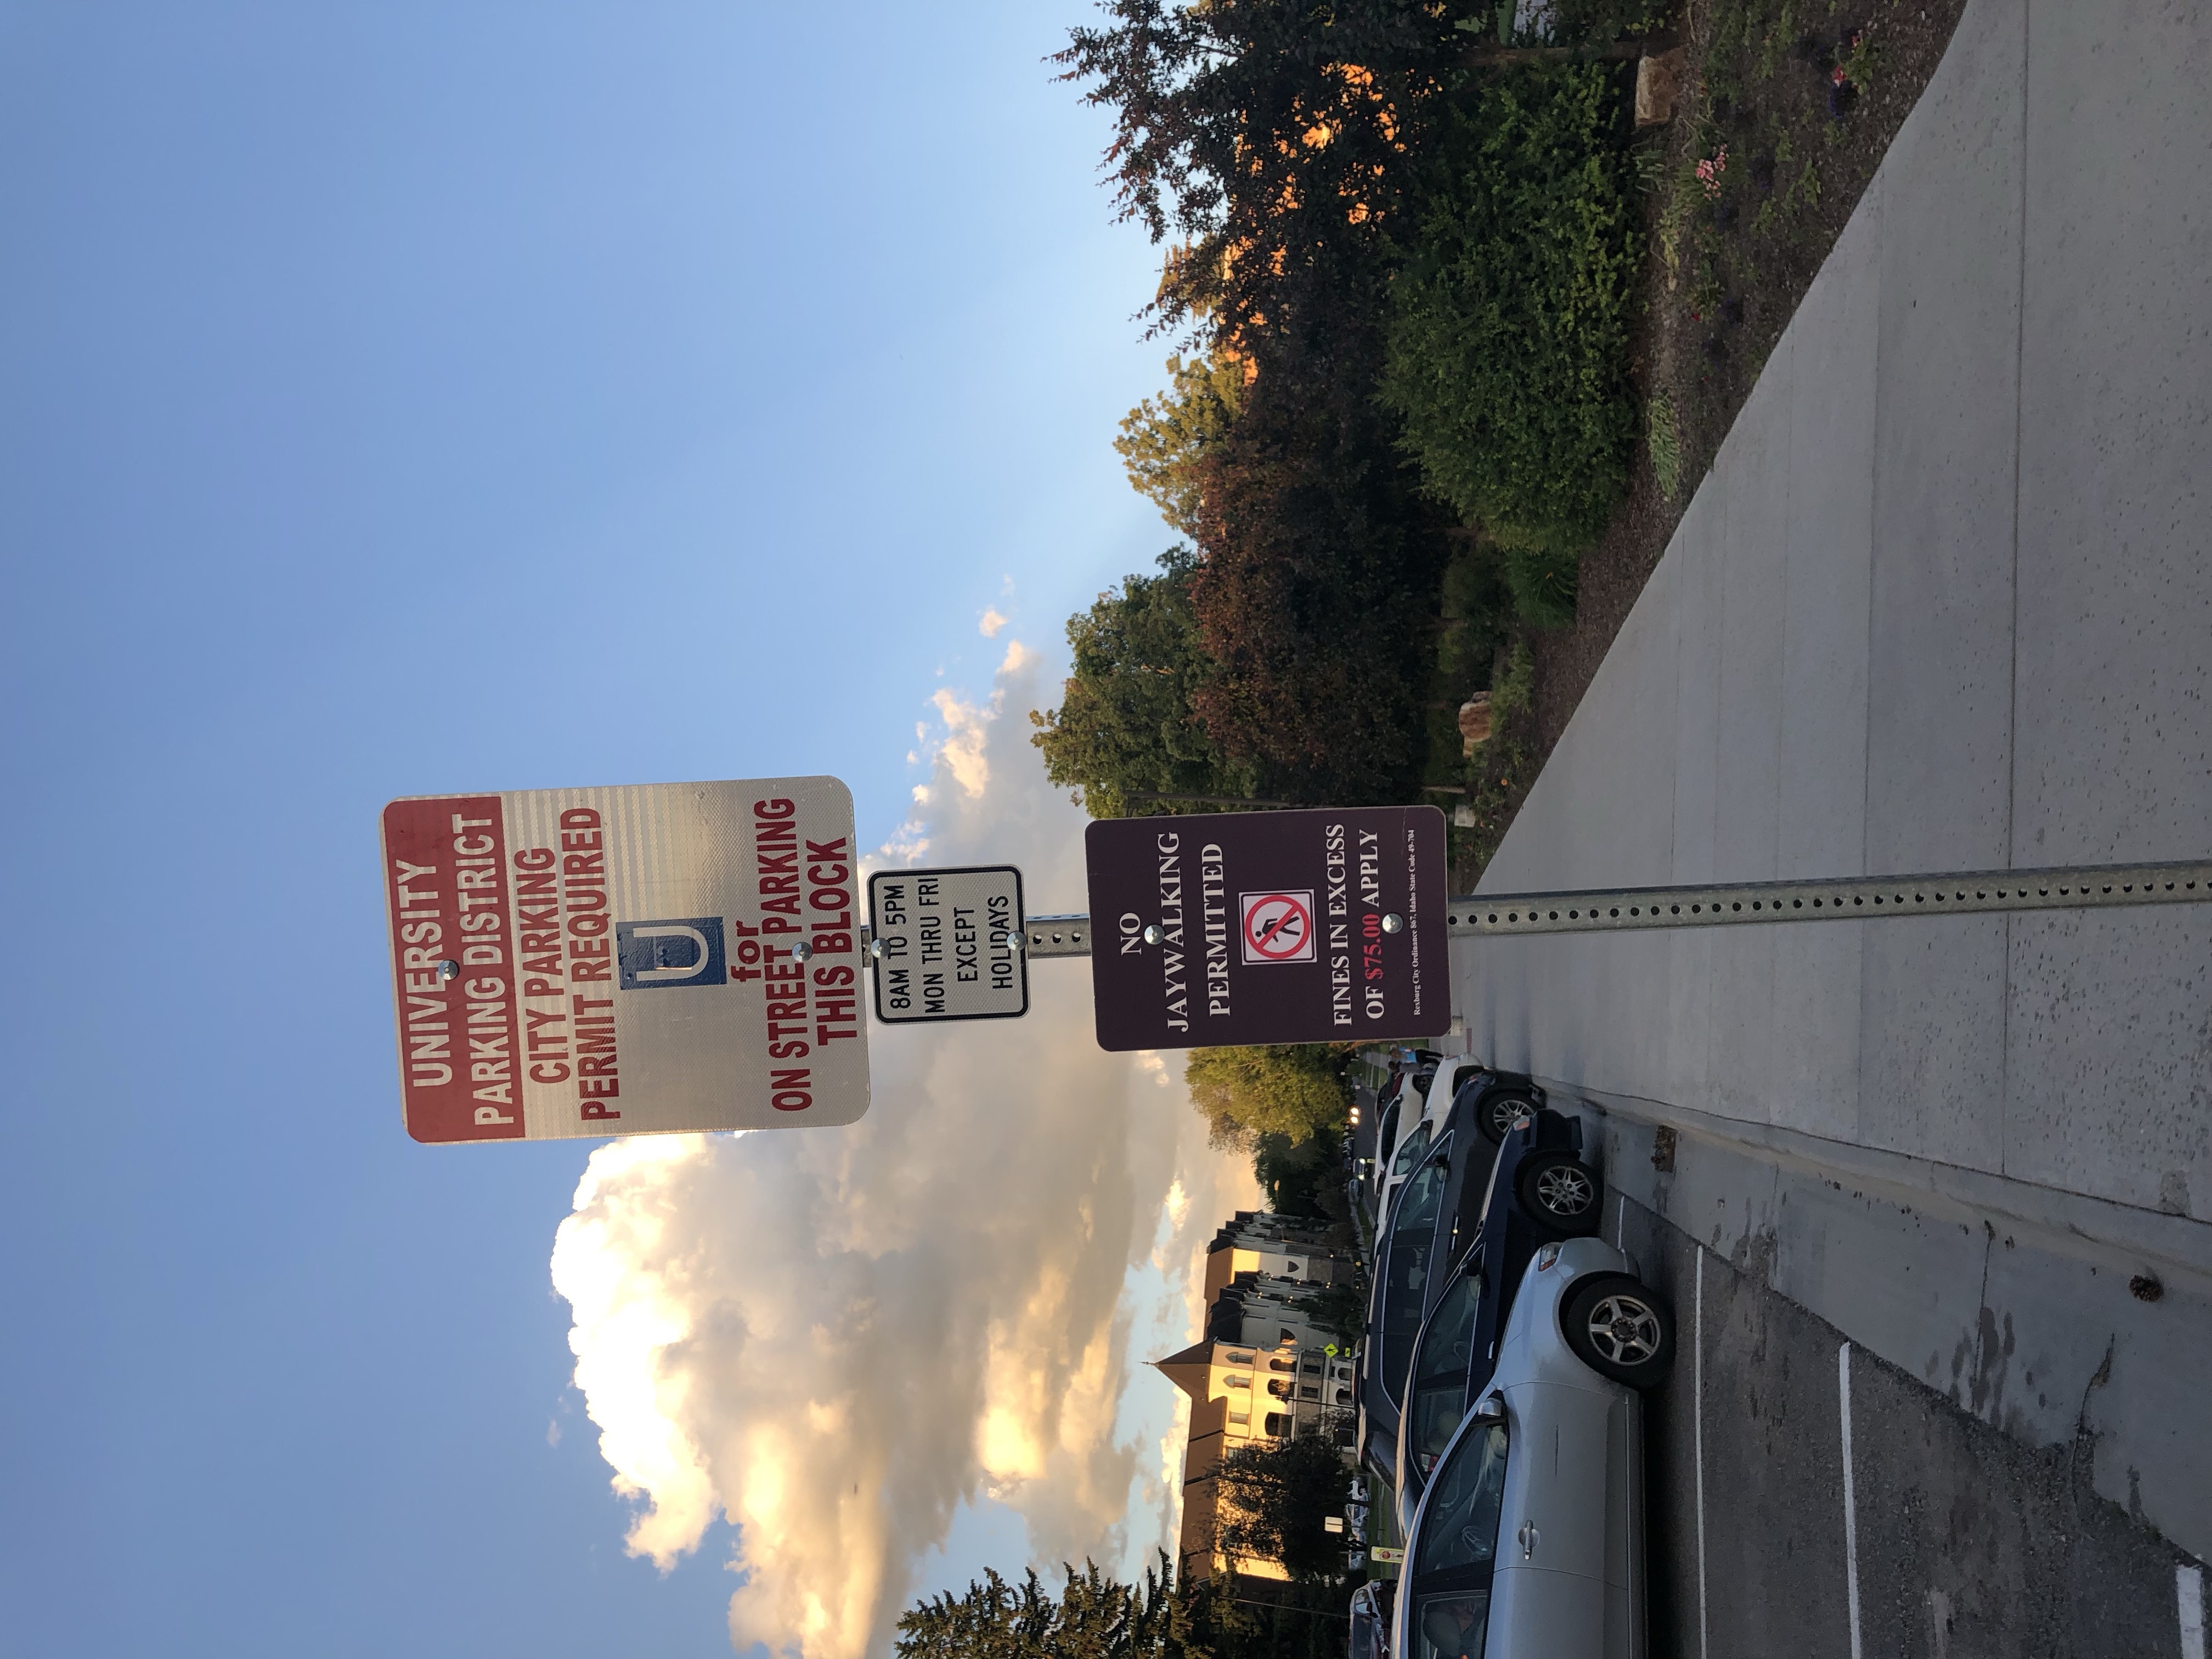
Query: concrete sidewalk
x,y
1945,602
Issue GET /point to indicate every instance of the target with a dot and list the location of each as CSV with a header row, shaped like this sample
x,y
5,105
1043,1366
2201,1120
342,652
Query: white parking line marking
x,y
1697,1435
2189,1591
1850,1508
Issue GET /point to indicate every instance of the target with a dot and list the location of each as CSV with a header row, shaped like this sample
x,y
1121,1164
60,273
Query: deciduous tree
x,y
1265,138
1274,1498
1163,439
1317,599
1292,1090
1126,718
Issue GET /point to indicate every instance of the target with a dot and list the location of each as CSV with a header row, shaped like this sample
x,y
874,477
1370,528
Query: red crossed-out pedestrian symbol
x,y
1278,927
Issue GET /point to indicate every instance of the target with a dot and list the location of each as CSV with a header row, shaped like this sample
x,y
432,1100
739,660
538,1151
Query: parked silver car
x,y
1529,1541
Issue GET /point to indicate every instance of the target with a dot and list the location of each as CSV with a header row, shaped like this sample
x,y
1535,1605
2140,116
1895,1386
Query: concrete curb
x,y
2071,1222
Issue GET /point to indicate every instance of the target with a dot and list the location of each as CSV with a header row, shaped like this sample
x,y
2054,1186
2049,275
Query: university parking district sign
x,y
623,961
1322,926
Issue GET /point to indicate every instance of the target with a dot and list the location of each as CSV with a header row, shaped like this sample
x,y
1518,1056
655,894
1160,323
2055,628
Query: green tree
x,y
1317,600
1162,441
1294,1091
1164,1618
1095,1618
1302,1178
1268,139
1126,720
1274,1499
1271,141
1509,319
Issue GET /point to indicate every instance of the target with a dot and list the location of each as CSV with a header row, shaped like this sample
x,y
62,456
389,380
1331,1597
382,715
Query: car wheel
x,y
1619,1329
1561,1192
1498,1112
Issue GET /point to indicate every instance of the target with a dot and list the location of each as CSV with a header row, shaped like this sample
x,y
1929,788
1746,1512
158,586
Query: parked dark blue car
x,y
1538,1190
1439,1204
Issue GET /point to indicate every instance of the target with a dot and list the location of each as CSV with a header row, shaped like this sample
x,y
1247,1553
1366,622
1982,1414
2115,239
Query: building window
x,y
1278,1425
1279,1387
1313,1364
1237,1358
1282,1363
1310,1391
1240,1417
1233,1382
1344,1396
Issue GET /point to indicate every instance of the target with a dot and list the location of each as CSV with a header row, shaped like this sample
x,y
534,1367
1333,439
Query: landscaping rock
x,y
1474,723
1658,83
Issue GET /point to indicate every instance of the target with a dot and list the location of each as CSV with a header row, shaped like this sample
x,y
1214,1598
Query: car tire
x,y
1496,1112
1618,1329
1560,1193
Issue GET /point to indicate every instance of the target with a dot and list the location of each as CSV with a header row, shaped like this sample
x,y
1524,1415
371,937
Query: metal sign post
x,y
688,957
1841,898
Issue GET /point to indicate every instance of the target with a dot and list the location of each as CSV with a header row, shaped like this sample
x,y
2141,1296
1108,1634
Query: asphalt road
x,y
1979,1528
1968,1541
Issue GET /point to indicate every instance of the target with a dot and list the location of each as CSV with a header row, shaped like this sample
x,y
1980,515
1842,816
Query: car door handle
x,y
1528,1536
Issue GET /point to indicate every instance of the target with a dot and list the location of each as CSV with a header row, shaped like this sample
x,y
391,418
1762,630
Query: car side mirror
x,y
1491,1408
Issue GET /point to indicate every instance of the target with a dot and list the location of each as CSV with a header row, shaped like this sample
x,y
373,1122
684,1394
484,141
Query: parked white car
x,y
1419,1117
1529,1541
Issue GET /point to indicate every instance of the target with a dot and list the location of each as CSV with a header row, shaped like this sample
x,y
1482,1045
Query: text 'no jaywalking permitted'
x,y
1325,925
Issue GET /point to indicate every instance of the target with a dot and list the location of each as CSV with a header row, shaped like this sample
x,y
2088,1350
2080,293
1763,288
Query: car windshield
x,y
1459,1525
1413,1230
1410,1153
1440,1371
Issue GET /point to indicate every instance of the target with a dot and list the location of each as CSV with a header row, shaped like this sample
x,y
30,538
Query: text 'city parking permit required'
x,y
648,958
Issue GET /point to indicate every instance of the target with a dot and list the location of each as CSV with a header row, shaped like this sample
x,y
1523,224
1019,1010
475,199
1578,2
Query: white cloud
x,y
836,1338
991,623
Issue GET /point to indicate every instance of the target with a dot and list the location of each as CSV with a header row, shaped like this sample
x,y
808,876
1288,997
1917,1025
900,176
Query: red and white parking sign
x,y
635,960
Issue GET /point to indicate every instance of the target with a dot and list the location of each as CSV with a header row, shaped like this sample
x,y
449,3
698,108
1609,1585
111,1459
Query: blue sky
x,y
403,398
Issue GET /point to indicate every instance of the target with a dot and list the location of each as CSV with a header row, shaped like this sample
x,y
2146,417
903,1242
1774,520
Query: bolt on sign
x,y
946,944
1319,926
635,960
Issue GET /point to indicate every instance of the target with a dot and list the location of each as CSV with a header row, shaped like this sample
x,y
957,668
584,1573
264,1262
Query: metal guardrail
x,y
1842,898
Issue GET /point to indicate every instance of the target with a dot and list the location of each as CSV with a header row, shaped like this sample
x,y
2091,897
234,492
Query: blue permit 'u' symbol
x,y
686,951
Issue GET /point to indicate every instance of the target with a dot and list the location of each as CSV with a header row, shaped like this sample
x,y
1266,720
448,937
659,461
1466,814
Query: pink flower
x,y
1708,172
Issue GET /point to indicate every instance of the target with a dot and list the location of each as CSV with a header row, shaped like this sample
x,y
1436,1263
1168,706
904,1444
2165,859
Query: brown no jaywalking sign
x,y
1321,925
